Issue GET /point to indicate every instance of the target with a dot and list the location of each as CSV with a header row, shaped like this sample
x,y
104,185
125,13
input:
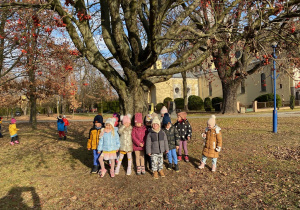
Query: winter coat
x,y
66,121
156,142
139,135
184,129
60,125
13,129
125,138
108,142
93,140
173,137
212,141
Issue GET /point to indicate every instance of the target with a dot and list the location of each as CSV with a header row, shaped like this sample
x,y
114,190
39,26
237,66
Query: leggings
x,y
140,158
184,145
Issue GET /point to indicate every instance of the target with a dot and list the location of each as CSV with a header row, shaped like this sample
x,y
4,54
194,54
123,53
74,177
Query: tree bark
x,y
32,98
184,83
229,105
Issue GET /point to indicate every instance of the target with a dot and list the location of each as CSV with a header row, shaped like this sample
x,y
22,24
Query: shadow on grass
x,y
14,199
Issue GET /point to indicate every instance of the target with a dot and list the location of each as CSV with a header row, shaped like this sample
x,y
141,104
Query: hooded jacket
x,y
156,142
173,137
108,142
60,125
212,141
184,129
125,138
139,135
94,136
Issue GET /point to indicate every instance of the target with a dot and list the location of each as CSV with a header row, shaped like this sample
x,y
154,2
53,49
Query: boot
x,y
155,174
179,158
186,158
202,165
170,166
176,168
65,137
129,167
94,169
143,170
213,168
138,171
161,173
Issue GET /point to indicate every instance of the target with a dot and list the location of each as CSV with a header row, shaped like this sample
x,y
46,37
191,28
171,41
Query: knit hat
x,y
138,118
163,110
212,121
13,121
64,116
98,119
125,119
182,115
166,119
149,118
110,121
155,121
59,117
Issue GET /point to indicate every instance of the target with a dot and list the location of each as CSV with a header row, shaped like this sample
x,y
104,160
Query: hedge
x,y
207,104
269,97
195,102
179,102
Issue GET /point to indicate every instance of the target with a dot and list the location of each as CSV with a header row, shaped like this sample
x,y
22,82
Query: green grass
x,y
257,169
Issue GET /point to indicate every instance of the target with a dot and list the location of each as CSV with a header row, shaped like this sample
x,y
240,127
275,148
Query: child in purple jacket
x,y
139,134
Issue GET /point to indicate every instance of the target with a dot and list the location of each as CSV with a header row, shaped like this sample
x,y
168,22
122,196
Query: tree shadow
x,y
194,161
14,199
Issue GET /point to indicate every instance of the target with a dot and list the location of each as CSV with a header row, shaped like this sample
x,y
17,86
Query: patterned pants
x,y
157,161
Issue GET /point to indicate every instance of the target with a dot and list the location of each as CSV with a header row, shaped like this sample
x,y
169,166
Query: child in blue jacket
x,y
61,128
109,144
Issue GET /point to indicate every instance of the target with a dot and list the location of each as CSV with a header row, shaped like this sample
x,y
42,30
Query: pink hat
x,y
126,119
13,121
182,115
138,118
163,110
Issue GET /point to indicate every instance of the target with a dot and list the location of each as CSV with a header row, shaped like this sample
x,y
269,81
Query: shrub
x,y
292,102
269,97
159,106
166,100
179,102
216,100
195,103
207,104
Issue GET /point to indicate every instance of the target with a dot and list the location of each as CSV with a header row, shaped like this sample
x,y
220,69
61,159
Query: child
x,y
148,121
61,128
109,144
185,133
213,143
139,134
125,143
117,117
13,132
66,123
162,112
173,140
93,141
156,145
0,127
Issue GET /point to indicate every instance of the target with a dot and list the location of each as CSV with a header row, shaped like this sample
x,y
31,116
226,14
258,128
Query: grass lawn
x,y
256,169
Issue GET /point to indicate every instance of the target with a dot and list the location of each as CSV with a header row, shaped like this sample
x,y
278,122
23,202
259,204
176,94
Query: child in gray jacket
x,y
156,145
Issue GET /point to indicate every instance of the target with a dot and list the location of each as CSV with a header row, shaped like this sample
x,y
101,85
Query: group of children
x,y
149,141
62,127
13,131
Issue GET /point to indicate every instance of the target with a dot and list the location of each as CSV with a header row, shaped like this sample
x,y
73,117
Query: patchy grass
x,y
256,169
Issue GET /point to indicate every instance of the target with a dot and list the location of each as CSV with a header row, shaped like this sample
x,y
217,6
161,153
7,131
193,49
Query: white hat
x,y
155,121
64,116
212,121
111,121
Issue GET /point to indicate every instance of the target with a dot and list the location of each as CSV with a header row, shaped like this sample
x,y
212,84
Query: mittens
x,y
218,149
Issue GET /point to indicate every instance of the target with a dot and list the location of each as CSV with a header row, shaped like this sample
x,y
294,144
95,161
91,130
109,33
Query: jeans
x,y
214,160
172,155
96,157
66,129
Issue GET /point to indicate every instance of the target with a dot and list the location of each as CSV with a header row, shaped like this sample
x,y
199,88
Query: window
x,y
177,90
188,90
243,89
210,89
280,86
263,82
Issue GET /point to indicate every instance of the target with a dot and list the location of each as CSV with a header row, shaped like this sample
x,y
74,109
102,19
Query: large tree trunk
x,y
185,99
229,105
32,98
135,100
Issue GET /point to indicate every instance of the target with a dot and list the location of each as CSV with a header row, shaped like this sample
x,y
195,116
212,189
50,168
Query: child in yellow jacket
x,y
13,132
93,142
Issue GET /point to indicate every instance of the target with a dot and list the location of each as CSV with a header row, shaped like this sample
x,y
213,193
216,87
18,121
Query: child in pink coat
x,y
139,135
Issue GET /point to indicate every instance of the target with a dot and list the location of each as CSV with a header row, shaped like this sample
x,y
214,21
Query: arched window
x,y
188,90
263,82
177,90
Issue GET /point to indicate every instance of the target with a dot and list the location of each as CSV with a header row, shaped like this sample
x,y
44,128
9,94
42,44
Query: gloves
x,y
218,149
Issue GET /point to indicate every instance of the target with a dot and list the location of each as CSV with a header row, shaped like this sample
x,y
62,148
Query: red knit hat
x,y
138,118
